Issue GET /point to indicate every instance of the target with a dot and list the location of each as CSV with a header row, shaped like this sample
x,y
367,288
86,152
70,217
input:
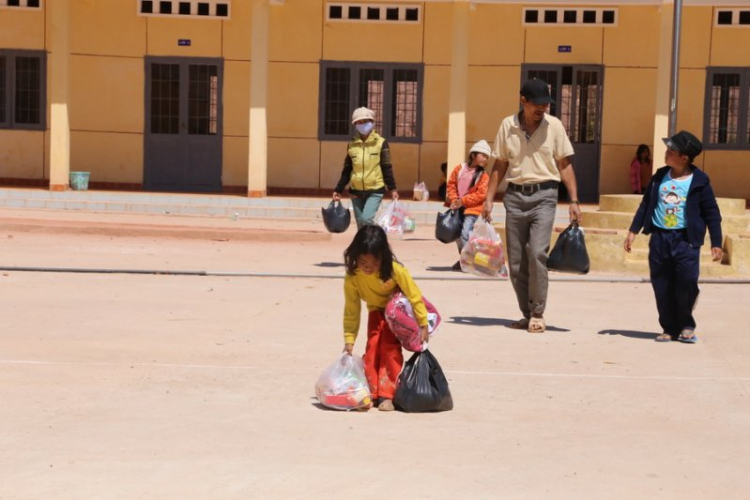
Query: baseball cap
x,y
685,143
536,91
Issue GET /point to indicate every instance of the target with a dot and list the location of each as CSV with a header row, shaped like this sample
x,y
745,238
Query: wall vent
x,y
373,13
726,18
21,4
577,16
185,8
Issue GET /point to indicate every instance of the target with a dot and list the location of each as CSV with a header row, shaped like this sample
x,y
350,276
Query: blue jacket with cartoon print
x,y
701,209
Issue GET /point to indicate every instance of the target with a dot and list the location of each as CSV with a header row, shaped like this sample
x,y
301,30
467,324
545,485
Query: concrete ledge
x,y
629,203
185,232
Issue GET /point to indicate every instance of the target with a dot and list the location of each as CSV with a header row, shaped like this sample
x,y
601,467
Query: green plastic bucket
x,y
79,181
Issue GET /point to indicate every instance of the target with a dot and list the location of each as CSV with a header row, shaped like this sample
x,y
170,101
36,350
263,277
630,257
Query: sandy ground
x,y
158,386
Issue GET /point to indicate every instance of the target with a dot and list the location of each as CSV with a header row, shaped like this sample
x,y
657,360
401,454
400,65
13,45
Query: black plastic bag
x,y
422,386
448,225
336,218
569,254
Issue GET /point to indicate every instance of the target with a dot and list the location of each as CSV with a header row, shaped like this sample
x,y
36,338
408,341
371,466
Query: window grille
x,y
22,89
185,8
373,13
727,109
393,91
569,17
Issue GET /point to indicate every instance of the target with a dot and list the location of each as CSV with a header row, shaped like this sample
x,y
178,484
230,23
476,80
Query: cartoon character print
x,y
673,202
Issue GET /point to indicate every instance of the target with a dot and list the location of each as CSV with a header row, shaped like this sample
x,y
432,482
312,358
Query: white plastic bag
x,y
343,385
420,192
484,255
417,195
391,219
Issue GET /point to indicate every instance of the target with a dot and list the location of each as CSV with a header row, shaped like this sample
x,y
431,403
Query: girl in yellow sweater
x,y
372,275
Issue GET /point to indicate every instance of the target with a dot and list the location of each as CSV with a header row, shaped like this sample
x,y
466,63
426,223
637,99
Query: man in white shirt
x,y
534,150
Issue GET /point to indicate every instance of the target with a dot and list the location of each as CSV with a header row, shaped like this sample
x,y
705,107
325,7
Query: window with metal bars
x,y
22,89
393,91
727,109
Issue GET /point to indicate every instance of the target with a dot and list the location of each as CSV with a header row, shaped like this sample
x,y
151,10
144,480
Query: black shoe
x,y
456,266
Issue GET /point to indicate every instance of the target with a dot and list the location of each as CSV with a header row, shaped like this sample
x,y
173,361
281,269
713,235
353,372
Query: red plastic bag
x,y
399,314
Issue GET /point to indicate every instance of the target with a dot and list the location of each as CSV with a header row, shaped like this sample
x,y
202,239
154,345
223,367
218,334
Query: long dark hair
x,y
640,150
370,240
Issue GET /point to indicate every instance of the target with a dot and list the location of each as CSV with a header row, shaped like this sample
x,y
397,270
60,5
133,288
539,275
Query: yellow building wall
x,y
728,171
432,154
236,99
363,41
109,157
234,160
109,41
405,159
205,37
106,94
293,100
635,40
585,42
497,35
107,28
332,154
695,39
22,29
437,19
295,163
22,154
628,118
690,100
493,94
236,37
297,33
729,47
435,98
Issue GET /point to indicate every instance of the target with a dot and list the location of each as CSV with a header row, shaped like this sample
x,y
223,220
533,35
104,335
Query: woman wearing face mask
x,y
367,169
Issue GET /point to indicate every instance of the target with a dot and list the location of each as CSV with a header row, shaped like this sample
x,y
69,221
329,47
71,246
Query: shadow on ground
x,y
440,269
630,333
330,264
478,321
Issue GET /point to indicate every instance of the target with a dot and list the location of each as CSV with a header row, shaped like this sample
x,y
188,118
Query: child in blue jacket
x,y
678,204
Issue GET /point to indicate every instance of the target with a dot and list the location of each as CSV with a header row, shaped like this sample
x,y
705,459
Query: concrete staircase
x,y
231,206
607,227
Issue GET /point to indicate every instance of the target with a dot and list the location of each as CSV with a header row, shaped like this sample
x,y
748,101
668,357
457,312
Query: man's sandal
x,y
521,324
663,337
537,325
688,336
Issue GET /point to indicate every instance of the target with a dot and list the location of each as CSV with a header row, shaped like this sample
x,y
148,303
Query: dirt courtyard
x,y
150,386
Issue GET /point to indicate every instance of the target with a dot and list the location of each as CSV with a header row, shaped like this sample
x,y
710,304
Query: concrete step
x,y
730,224
310,209
711,270
606,253
629,203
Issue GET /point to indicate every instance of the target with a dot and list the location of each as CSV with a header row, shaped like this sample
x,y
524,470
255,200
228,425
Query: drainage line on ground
x,y
248,274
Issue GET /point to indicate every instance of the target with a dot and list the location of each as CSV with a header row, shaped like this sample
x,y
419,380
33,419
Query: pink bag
x,y
399,314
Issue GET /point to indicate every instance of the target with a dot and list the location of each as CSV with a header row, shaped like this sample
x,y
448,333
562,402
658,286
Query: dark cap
x,y
685,143
536,91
